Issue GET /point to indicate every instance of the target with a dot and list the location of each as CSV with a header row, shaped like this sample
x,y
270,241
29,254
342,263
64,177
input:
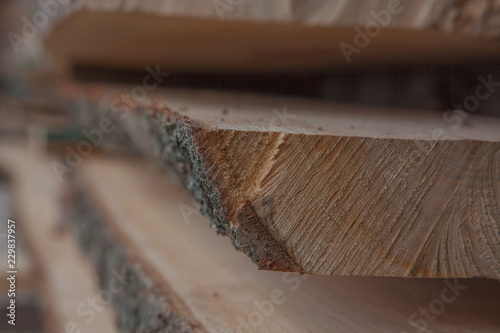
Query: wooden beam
x,y
328,189
66,278
277,36
185,278
25,280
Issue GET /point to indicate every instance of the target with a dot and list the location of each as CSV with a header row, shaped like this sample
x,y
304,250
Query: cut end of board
x,y
322,196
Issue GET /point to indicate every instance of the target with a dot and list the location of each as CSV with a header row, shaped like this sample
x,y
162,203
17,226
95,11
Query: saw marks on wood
x,y
355,206
197,281
337,190
365,221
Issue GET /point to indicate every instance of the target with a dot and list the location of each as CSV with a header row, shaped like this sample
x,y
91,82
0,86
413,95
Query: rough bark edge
x,y
170,140
141,306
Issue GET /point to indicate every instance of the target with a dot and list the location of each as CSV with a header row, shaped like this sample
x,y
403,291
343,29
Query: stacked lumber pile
x,y
150,256
215,211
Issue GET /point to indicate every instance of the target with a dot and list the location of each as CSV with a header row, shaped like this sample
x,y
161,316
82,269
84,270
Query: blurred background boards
x,y
62,278
188,279
428,56
424,54
273,36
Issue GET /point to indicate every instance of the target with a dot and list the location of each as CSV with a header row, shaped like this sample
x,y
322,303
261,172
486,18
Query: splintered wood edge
x,y
246,181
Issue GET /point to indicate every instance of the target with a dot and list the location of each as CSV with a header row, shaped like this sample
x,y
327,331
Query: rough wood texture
x,y
184,279
271,36
330,189
65,278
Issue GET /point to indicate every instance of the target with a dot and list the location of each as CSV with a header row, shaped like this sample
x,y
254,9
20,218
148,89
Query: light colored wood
x,y
66,278
211,288
271,36
25,280
330,189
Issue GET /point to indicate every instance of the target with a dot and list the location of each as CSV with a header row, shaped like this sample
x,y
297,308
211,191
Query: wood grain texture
x,y
185,278
64,276
330,189
271,36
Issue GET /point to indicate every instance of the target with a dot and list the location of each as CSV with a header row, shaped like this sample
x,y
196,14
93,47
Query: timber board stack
x,y
338,212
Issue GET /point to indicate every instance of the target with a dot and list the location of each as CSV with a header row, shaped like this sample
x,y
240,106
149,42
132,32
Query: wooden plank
x,y
188,279
25,280
273,36
66,278
328,189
